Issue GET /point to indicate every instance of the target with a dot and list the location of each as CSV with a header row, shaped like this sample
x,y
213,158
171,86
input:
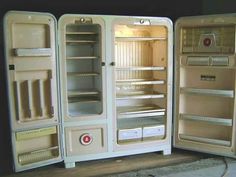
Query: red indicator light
x,y
207,42
86,139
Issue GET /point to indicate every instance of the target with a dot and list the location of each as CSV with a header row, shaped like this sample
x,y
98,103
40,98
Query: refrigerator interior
x,y
83,68
205,103
141,77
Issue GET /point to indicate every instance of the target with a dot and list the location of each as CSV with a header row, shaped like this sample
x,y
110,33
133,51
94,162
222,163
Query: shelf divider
x,y
139,82
210,92
139,96
140,111
82,74
140,38
80,33
81,57
150,68
205,140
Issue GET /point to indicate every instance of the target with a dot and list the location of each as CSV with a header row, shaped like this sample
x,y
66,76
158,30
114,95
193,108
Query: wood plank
x,y
113,165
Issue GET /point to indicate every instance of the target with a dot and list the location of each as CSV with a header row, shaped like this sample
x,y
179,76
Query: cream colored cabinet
x,y
96,86
205,84
88,87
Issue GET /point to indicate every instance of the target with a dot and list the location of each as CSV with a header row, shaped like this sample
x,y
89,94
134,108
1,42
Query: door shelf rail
x,y
144,68
210,120
38,155
208,92
33,52
205,140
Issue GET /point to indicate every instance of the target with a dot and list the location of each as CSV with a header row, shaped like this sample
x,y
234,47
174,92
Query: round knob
x,y
82,20
86,139
142,21
207,42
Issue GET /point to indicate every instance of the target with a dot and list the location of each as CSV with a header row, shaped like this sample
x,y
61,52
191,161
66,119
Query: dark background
x,y
167,8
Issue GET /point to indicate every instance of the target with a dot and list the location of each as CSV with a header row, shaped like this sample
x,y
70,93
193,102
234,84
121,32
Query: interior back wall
x,y
171,9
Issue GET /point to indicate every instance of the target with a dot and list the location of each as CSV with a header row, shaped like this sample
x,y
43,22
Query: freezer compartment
x,y
83,70
38,145
83,41
140,129
86,106
86,140
34,98
207,78
205,132
79,67
208,39
84,96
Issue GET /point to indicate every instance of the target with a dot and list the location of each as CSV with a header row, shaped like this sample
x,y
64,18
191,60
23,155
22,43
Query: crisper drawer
x,y
86,140
154,132
140,129
36,146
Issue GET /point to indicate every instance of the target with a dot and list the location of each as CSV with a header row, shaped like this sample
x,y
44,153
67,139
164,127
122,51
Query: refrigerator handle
x,y
112,63
103,63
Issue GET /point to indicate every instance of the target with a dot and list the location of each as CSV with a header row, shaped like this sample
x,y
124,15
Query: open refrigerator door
x,y
31,59
205,84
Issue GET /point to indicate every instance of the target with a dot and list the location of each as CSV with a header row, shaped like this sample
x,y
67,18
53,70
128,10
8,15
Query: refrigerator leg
x,y
69,164
167,152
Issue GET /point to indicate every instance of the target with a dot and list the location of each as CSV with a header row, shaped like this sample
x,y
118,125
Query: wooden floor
x,y
113,165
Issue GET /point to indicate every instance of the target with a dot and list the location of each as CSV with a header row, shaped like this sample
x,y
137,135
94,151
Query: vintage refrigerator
x,y
94,86
87,87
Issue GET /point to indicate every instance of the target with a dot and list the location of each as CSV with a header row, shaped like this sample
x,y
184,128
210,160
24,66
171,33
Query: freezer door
x,y
204,108
31,60
82,61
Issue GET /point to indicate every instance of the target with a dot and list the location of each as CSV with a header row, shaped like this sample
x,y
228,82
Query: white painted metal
x,y
58,137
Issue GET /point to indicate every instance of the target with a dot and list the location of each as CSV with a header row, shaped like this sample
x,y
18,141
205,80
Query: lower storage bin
x,y
154,132
37,145
86,140
140,129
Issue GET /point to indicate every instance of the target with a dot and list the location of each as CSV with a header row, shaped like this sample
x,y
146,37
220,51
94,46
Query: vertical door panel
x,y
30,51
205,84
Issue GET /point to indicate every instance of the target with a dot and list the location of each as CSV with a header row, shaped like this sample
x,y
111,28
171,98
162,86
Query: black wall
x,y
171,9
